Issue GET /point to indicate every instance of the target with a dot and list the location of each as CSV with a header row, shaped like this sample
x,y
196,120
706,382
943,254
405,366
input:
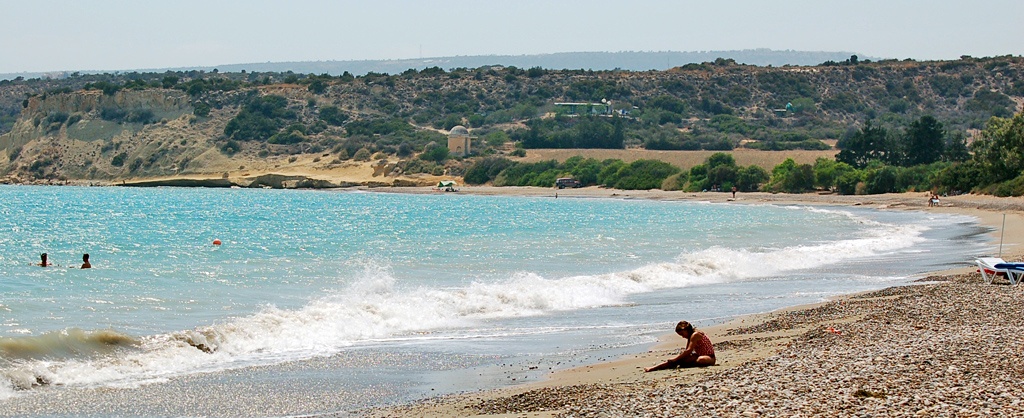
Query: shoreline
x,y
769,346
752,349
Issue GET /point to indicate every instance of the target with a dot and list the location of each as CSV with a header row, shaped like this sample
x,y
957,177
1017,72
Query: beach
x,y
895,351
948,345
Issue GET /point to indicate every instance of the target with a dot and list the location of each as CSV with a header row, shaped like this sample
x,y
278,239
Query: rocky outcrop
x,y
271,181
86,101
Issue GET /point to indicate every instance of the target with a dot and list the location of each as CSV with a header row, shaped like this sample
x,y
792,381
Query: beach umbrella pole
x,y
1001,232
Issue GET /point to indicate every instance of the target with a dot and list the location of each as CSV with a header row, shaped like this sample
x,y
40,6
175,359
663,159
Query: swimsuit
x,y
703,347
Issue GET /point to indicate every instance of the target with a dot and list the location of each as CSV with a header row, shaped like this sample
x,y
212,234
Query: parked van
x,y
567,182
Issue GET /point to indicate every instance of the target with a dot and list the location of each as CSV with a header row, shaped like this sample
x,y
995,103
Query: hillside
x,y
113,127
596,61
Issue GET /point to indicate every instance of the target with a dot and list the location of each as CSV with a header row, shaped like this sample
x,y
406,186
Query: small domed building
x,y
458,141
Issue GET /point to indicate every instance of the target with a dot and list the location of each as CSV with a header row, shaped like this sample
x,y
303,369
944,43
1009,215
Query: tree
x,y
799,180
789,177
871,143
827,172
923,142
750,178
724,176
999,152
881,180
956,148
720,159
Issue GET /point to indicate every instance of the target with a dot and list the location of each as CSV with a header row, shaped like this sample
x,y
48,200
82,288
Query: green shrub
x,y
333,115
143,116
881,180
485,170
15,152
362,155
675,182
113,114
643,175
434,152
259,119
73,119
201,109
231,147
750,178
118,159
287,138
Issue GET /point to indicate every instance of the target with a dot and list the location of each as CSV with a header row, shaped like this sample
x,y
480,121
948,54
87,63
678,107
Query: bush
x,y
881,180
118,159
56,117
287,138
848,182
201,109
790,177
486,170
675,182
259,119
362,155
1013,187
434,152
143,116
643,175
750,178
333,115
959,178
73,119
231,147
113,114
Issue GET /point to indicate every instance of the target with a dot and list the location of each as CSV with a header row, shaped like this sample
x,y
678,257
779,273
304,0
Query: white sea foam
x,y
376,308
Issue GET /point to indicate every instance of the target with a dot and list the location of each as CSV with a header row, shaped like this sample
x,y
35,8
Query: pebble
x,y
951,347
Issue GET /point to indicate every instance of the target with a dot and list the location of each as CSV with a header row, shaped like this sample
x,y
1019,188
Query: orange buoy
x,y
216,242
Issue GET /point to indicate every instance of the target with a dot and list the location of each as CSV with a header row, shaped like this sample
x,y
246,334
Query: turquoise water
x,y
460,280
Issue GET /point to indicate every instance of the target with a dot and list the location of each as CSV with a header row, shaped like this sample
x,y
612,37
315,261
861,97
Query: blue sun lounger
x,y
1014,271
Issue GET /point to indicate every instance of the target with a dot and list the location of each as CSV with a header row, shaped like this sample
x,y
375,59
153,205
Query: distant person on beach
x,y
698,351
42,261
733,192
85,261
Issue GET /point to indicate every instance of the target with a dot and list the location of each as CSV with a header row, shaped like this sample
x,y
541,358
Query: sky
x,y
86,35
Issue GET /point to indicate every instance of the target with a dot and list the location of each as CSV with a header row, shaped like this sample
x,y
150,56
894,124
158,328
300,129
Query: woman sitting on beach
x,y
698,352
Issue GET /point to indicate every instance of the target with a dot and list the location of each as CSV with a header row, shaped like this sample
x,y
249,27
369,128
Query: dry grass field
x,y
683,159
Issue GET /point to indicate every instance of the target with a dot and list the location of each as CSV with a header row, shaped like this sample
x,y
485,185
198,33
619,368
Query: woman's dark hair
x,y
683,325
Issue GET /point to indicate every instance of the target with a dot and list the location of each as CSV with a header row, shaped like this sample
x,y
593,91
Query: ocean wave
x,y
68,343
376,307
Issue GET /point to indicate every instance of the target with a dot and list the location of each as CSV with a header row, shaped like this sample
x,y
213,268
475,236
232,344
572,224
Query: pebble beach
x,y
946,345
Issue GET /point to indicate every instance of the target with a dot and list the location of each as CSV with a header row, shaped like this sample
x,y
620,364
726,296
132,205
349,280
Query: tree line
x,y
872,160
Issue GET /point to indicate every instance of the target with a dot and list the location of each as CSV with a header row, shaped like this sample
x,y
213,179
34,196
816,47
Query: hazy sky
x,y
50,35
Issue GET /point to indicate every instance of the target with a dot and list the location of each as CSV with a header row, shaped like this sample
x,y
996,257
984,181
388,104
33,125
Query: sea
x,y
321,302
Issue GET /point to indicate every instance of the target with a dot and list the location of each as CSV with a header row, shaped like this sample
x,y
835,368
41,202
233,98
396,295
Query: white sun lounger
x,y
990,267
